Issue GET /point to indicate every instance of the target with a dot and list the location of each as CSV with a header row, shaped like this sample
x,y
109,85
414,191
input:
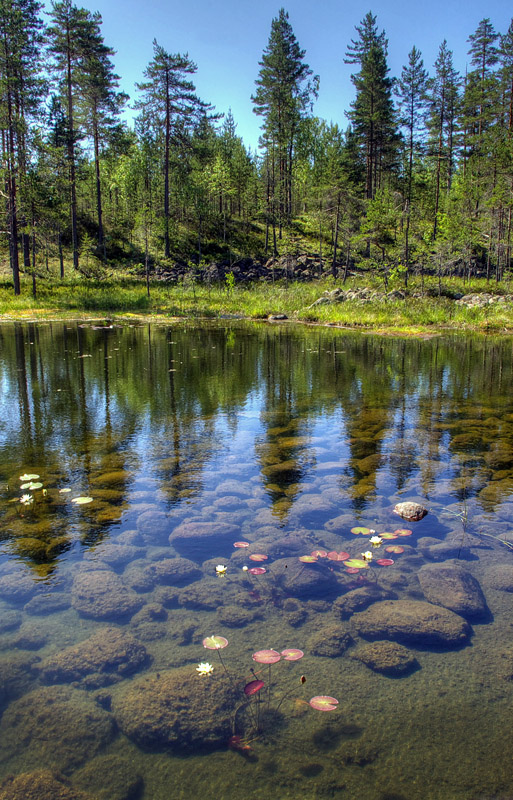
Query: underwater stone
x,y
153,525
172,571
105,658
388,658
410,511
177,710
500,577
454,588
30,637
101,595
17,587
330,641
203,535
236,617
358,599
412,621
115,555
110,778
303,580
9,620
54,725
44,604
39,785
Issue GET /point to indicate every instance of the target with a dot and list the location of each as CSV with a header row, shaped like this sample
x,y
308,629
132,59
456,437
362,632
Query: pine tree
x,y
172,105
284,94
372,112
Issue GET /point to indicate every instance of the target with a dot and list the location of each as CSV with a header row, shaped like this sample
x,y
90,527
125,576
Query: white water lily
x,y
375,540
221,569
245,568
204,668
367,556
26,499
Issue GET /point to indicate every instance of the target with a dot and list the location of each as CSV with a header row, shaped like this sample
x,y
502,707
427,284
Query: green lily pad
x,y
81,501
29,477
361,531
36,485
357,563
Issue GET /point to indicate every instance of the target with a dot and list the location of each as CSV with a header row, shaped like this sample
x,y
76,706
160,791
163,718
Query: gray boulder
x,y
453,587
412,621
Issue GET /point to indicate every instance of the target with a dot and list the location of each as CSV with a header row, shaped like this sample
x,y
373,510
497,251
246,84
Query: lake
x,y
205,588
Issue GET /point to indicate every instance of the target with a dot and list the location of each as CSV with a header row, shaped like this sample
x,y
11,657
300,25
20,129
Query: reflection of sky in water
x,y
310,432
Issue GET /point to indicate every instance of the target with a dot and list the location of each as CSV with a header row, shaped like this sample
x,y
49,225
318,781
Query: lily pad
x,y
82,501
215,642
394,548
385,562
253,687
241,544
257,570
323,703
292,654
403,532
334,556
36,485
389,535
360,531
357,563
352,570
308,559
266,656
319,553
29,476
64,491
258,557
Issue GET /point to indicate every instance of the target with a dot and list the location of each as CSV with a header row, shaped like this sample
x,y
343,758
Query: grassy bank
x,y
128,296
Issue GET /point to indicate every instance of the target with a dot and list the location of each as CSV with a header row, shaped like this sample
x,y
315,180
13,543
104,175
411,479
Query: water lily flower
x,y
367,556
221,569
375,541
204,668
26,499
245,568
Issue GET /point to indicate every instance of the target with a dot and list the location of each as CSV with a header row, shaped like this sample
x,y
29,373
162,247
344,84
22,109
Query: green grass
x,y
126,295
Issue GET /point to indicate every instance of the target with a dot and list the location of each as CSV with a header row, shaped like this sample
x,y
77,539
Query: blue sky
x,y
226,40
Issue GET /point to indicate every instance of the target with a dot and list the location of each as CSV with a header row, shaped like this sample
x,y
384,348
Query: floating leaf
x,y
352,570
292,654
361,531
385,562
319,553
357,563
308,559
64,491
257,570
266,656
241,544
25,485
388,535
253,687
323,703
394,548
215,642
258,557
334,556
82,501
403,532
36,485
29,477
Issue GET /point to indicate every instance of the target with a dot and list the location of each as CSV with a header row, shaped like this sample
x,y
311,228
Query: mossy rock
x,y
330,641
387,658
40,785
109,777
101,594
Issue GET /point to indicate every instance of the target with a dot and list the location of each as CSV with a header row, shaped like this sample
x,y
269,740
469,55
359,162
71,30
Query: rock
x,y
410,511
276,317
153,526
110,778
44,604
412,621
173,571
203,537
16,675
388,658
56,726
106,657
357,600
294,613
236,617
443,551
101,594
115,555
304,580
500,577
39,785
17,587
9,620
177,710
454,588
30,637
330,641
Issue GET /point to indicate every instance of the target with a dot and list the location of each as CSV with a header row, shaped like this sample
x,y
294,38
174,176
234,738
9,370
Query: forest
x,y
420,178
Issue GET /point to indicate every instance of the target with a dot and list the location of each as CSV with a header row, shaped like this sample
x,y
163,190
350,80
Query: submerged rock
x,y
358,599
177,710
56,726
172,571
105,658
199,536
16,587
454,588
330,641
44,604
410,511
110,778
39,785
304,580
500,577
412,621
101,594
388,658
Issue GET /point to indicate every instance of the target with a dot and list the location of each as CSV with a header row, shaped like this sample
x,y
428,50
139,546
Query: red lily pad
x,y
319,553
334,556
266,656
308,559
389,535
403,532
357,563
352,570
258,557
385,562
360,531
257,570
323,703
241,544
394,548
292,654
215,642
253,687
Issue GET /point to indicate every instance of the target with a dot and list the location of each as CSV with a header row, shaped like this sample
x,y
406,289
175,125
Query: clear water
x,y
189,438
